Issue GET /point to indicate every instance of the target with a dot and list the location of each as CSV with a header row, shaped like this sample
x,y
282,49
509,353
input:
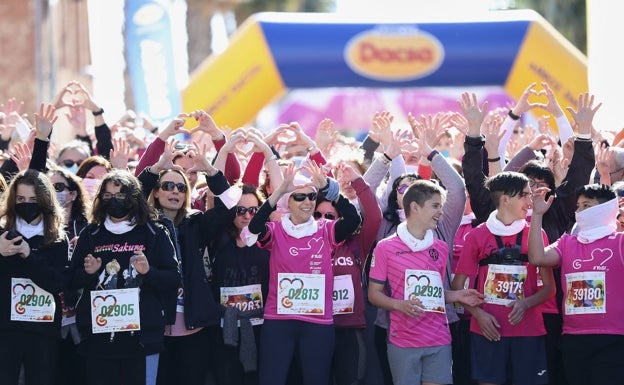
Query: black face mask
x,y
117,208
28,211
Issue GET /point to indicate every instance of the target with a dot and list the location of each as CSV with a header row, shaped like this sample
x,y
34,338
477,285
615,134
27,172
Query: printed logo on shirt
x,y
343,261
433,253
315,245
597,255
118,248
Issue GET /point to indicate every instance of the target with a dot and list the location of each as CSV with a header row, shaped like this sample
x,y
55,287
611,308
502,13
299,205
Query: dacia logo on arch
x,y
394,54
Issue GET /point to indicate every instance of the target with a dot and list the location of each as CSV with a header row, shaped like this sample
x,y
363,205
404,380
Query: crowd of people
x,y
466,247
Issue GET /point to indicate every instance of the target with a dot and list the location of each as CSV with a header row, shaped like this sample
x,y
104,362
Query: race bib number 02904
x,y
30,303
115,310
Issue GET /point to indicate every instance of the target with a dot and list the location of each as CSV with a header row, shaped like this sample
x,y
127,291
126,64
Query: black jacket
x,y
47,267
193,235
156,287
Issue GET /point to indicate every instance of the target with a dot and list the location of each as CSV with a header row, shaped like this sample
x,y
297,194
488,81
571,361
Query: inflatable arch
x,y
274,52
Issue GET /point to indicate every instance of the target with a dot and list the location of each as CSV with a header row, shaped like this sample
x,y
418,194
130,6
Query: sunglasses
x,y
71,163
105,196
300,197
169,186
401,189
242,210
328,216
60,187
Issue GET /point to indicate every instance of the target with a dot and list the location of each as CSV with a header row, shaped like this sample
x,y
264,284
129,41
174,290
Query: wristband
x,y
96,113
432,154
584,136
387,157
492,160
513,116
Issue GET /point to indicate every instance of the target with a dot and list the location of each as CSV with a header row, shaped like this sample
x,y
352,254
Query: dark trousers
x,y
116,371
282,340
185,360
37,352
462,373
228,367
349,362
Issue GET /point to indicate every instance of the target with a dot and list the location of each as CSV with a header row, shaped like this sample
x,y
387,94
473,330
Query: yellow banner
x,y
234,86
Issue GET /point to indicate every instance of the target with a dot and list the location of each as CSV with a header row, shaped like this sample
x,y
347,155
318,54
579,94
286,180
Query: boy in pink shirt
x,y
592,267
507,332
412,264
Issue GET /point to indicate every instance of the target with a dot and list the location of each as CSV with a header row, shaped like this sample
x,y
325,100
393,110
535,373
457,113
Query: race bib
x,y
300,293
504,284
180,300
244,298
115,310
343,295
30,303
586,293
425,285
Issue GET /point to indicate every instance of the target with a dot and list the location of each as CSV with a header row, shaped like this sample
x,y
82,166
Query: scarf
x,y
118,227
26,229
597,222
466,219
411,241
299,231
497,227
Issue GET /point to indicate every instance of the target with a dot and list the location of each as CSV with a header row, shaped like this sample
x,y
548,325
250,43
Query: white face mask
x,y
91,186
63,198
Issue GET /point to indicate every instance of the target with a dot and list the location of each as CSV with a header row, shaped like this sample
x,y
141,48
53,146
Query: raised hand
x,y
317,174
326,136
120,153
21,155
584,116
472,112
165,162
44,120
174,127
206,124
381,128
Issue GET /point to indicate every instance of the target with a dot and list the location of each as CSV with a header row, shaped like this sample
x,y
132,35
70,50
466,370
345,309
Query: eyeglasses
x,y
169,186
536,183
60,187
300,197
71,163
242,210
328,216
105,196
401,189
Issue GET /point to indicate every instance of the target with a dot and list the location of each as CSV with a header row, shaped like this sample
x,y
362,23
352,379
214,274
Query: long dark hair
x,y
53,214
140,212
390,213
81,205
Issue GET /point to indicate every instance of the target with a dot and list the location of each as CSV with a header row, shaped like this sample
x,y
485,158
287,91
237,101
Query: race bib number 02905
x,y
115,310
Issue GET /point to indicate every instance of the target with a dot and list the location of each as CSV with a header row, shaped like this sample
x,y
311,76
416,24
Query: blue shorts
x,y
519,360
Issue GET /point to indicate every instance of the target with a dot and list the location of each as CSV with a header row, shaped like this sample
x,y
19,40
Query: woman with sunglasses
x,y
126,265
186,339
298,317
73,200
33,271
241,284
